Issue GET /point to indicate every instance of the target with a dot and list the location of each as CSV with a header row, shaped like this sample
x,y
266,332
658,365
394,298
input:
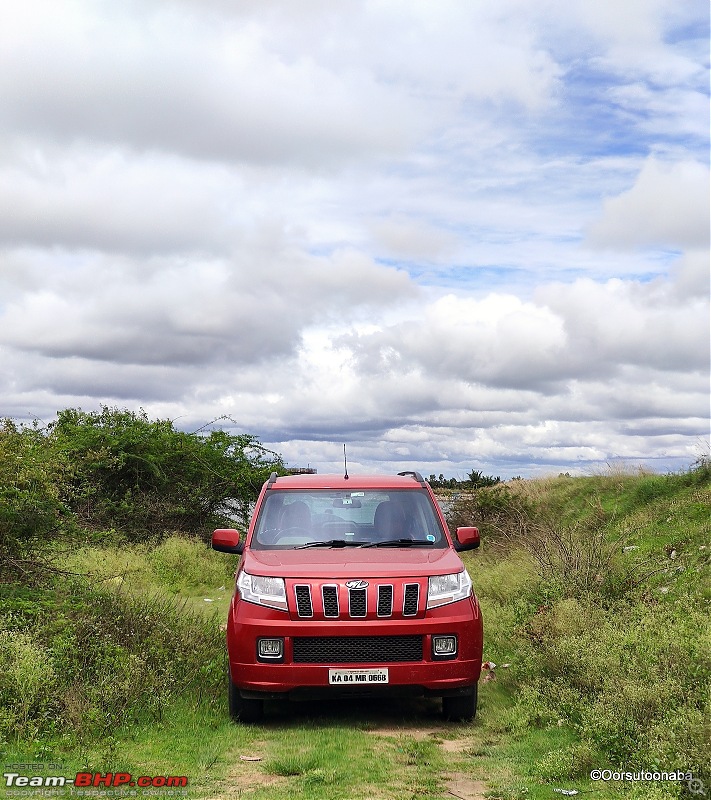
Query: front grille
x,y
385,601
330,601
356,649
357,602
412,595
303,601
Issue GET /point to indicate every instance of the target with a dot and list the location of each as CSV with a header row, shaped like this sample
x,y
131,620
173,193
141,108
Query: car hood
x,y
349,562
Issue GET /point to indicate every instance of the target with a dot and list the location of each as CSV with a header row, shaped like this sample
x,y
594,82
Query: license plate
x,y
353,677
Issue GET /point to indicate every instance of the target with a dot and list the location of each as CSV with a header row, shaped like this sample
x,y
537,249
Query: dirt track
x,y
393,726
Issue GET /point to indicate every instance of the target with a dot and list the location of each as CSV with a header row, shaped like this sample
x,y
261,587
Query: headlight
x,y
444,589
269,592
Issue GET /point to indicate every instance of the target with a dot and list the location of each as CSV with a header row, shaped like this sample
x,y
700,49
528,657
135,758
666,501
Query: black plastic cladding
x,y
412,474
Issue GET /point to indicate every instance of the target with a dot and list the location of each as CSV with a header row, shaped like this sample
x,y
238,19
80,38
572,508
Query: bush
x,y
597,645
119,472
98,659
33,493
27,681
498,510
623,678
568,762
145,478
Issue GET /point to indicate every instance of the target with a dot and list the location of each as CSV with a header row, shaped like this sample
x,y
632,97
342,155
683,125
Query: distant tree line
x,y
474,480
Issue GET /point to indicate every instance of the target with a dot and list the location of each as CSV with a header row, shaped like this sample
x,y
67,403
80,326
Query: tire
x,y
241,709
461,708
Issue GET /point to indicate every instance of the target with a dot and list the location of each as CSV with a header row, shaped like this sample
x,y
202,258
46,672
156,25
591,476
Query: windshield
x,y
330,518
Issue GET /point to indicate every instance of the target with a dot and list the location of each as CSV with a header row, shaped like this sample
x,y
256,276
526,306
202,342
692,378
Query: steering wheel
x,y
275,534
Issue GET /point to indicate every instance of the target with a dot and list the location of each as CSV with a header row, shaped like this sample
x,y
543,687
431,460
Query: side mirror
x,y
226,540
467,539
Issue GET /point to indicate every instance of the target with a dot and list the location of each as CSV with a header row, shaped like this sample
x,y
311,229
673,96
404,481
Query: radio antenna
x,y
345,463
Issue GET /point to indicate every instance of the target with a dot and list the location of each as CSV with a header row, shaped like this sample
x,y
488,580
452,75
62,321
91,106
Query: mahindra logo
x,y
357,584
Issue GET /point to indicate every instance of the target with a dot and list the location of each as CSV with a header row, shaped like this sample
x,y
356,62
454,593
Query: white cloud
x,y
412,239
106,199
668,205
193,311
571,332
163,81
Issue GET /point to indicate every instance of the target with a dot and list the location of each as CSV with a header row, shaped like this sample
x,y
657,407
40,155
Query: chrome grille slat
x,y
330,601
358,602
304,607
385,600
378,599
411,599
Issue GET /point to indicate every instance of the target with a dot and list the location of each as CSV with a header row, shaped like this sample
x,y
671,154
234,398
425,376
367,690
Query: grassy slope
x,y
611,676
585,649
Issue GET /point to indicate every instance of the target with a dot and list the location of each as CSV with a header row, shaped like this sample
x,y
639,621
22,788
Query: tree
x,y
476,480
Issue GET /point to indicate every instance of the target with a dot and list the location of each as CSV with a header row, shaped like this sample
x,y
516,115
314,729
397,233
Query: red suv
x,y
351,587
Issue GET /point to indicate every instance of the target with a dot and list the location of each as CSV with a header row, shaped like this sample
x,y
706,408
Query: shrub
x,y
27,679
145,478
33,490
596,645
568,762
120,474
623,677
99,658
498,510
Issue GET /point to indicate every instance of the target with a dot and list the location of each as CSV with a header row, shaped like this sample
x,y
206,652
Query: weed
x,y
27,680
567,762
102,658
185,563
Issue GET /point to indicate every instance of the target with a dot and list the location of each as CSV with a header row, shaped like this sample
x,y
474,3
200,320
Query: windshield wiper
x,y
400,543
332,543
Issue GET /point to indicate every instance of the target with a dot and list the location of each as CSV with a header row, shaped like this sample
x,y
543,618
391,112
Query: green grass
x,y
189,569
295,754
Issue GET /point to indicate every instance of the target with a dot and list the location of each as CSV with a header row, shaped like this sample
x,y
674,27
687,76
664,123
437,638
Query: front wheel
x,y
242,709
461,708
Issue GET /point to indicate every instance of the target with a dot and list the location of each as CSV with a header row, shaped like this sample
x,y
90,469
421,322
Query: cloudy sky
x,y
455,235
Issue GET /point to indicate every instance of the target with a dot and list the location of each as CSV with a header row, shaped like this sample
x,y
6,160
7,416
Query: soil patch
x,y
464,787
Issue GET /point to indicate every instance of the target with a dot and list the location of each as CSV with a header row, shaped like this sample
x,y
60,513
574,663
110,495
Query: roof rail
x,y
272,480
412,474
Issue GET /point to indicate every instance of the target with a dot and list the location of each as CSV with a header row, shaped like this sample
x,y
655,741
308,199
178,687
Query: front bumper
x,y
426,676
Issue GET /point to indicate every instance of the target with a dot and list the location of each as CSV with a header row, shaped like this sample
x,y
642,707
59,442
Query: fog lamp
x,y
444,647
270,649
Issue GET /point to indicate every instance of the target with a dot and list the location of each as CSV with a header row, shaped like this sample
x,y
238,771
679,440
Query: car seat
x,y
389,521
295,515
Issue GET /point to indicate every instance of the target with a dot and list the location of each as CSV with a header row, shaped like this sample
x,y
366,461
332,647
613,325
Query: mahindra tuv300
x,y
351,587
